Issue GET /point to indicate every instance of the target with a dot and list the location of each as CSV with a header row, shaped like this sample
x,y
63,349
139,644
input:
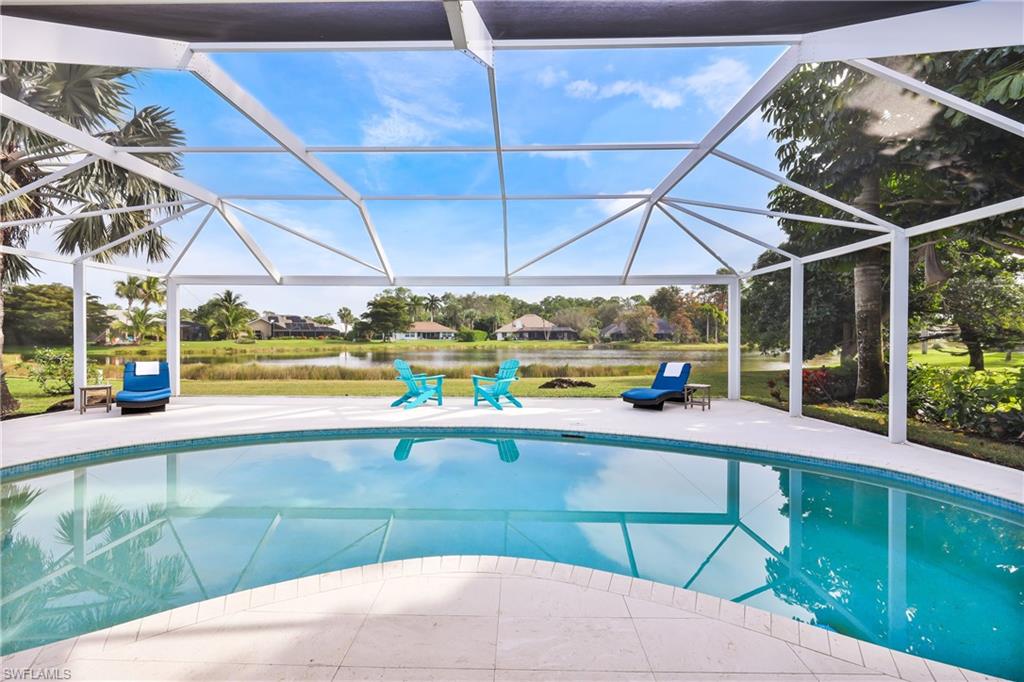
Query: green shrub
x,y
988,403
54,371
822,385
471,335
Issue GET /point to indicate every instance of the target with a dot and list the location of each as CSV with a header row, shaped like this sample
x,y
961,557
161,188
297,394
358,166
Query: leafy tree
x,y
987,302
323,319
386,315
609,312
837,132
41,314
94,99
640,323
685,331
346,317
577,319
667,301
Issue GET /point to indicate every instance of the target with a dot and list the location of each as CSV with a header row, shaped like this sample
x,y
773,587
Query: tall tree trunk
x,y
8,405
975,352
867,297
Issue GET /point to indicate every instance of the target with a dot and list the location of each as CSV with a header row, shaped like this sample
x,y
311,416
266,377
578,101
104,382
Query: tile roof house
x,y
534,328
273,326
425,329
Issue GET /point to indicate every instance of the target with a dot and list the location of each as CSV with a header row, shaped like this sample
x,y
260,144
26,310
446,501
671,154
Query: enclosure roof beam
x,y
421,149
641,229
433,197
469,33
814,194
775,76
785,265
1002,207
90,214
46,180
191,240
940,96
697,239
44,41
68,260
137,233
579,236
452,281
217,79
26,115
780,214
881,240
730,230
968,26
302,235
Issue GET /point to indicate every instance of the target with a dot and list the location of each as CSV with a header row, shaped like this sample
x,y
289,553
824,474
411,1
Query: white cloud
x,y
582,89
414,91
717,85
613,206
549,76
583,156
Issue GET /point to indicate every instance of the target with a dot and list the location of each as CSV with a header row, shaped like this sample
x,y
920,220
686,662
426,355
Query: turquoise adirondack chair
x,y
404,447
508,451
493,389
419,388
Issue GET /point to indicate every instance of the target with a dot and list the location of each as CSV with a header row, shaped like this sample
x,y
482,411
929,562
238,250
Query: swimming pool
x,y
900,563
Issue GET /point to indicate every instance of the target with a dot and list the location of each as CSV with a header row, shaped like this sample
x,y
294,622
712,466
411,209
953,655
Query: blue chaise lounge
x,y
147,386
669,385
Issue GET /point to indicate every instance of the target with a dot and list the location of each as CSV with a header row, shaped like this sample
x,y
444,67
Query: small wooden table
x,y
703,390
83,394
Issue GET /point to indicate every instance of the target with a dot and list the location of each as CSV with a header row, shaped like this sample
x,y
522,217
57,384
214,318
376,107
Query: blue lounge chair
x,y
419,388
144,392
665,388
493,389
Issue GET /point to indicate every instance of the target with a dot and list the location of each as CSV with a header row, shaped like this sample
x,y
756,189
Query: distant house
x,y
273,326
534,328
664,331
116,332
425,330
194,331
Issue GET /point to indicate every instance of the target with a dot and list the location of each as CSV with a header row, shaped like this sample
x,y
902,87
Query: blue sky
x,y
441,98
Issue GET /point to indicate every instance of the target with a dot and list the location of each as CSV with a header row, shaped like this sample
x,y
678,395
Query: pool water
x,y
906,568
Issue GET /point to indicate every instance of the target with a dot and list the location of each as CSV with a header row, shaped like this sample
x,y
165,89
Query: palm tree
x,y
152,292
229,299
433,305
129,288
94,99
143,323
346,317
231,321
416,304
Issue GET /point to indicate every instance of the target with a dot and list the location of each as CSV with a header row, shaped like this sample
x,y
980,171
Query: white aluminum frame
x,y
968,26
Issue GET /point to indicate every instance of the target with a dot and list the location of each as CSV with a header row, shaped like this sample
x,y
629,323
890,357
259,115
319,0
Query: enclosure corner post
x,y
734,339
899,288
796,339
174,336
79,327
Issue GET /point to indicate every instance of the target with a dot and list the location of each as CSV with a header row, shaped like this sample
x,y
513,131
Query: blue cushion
x,y
648,393
150,382
143,396
671,383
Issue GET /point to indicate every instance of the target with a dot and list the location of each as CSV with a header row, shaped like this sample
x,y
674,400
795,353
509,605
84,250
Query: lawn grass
x,y
942,355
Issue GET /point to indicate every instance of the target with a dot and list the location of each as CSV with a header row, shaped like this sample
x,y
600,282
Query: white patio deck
x,y
736,423
473,618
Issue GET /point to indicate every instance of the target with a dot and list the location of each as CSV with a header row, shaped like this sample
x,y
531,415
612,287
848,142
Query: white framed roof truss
x,y
971,25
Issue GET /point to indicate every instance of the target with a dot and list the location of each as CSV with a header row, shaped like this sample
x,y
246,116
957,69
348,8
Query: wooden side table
x,y
83,394
701,390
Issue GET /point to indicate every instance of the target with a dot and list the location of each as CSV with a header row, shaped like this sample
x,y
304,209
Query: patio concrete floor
x,y
472,618
736,423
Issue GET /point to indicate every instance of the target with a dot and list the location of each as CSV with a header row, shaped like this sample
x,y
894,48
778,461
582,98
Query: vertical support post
x,y
78,517
796,338
796,520
734,339
79,328
899,309
897,569
173,318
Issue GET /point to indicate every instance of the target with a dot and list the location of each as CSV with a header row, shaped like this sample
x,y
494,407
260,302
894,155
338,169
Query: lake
x,y
441,358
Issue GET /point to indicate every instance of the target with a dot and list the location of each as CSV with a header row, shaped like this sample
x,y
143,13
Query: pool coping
x,y
872,473
844,648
